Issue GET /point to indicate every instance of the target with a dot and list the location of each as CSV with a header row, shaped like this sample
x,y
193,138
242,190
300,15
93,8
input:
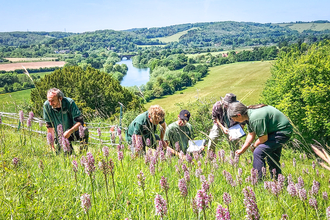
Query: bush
x,y
300,87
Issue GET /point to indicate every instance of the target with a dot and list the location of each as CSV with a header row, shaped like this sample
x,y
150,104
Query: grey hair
x,y
236,108
58,92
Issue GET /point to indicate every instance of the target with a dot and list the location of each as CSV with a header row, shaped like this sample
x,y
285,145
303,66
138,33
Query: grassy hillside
x,y
8,101
174,37
245,79
307,26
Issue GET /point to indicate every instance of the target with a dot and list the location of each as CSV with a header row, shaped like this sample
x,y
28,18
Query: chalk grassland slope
x,y
31,65
307,26
174,37
246,80
11,102
22,59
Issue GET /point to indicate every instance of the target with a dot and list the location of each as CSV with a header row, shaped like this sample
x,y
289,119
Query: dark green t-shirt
x,y
175,133
64,116
141,125
268,119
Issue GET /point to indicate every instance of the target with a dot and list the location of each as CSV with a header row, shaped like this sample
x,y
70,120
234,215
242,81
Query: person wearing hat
x,y
221,121
179,131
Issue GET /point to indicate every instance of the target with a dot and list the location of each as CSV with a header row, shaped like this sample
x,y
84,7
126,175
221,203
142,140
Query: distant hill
x,y
24,39
226,34
229,33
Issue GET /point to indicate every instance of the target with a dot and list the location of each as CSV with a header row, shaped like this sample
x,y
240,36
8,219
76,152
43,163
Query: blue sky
x,y
90,15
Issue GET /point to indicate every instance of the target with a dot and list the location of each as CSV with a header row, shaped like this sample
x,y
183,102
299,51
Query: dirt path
x,y
30,65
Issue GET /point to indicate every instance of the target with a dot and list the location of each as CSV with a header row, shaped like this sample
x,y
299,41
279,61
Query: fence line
x,y
92,129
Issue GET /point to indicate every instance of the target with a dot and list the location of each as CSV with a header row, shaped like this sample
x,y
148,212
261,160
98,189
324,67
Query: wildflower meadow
x,y
113,182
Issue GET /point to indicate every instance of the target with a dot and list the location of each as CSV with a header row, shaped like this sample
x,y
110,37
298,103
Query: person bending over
x,y
144,126
272,128
63,110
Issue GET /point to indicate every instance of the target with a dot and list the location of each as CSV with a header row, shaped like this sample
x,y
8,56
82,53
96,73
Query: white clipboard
x,y
236,132
195,145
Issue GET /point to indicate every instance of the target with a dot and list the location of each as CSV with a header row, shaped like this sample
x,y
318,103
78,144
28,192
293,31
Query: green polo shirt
x,y
268,119
64,116
141,125
182,134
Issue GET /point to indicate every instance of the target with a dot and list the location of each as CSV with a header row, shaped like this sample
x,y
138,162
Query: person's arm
x,y
76,117
52,131
162,131
224,129
74,128
260,140
249,139
174,152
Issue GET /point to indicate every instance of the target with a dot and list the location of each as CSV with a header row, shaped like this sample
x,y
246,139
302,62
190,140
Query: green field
x,y
143,46
41,74
216,53
11,102
174,37
245,79
307,26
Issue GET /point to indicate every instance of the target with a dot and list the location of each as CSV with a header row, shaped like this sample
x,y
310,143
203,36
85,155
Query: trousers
x,y
271,151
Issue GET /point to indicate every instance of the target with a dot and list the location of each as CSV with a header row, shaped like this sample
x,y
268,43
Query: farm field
x,y
31,65
245,79
111,183
307,26
174,37
31,59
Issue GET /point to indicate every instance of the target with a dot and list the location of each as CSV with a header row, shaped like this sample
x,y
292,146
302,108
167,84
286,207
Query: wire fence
x,y
109,133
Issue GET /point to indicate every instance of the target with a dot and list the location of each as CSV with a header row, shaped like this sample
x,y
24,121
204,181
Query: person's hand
x,y
225,130
239,152
182,157
164,144
67,134
53,148
252,147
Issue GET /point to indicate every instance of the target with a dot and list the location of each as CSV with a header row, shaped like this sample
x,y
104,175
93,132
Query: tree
x,y
189,68
95,93
300,87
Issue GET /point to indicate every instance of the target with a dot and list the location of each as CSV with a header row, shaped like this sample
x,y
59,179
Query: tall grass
x,y
52,192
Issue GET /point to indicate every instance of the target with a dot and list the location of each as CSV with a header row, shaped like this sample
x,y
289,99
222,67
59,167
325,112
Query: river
x,y
135,76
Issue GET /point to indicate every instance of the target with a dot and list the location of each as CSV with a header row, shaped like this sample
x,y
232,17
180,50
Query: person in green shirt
x,y
179,131
144,127
272,128
62,110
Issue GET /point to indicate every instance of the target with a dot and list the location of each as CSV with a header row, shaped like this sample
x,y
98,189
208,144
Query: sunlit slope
x,y
174,37
307,26
245,79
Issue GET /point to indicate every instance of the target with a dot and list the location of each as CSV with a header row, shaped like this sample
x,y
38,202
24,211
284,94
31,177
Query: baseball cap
x,y
185,115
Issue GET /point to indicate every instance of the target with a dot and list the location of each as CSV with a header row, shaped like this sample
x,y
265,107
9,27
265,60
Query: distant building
x,y
224,55
62,51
